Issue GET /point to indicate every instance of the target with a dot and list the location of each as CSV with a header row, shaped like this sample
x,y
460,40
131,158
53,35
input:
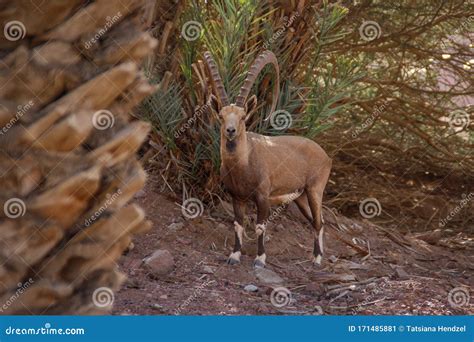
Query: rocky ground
x,y
179,267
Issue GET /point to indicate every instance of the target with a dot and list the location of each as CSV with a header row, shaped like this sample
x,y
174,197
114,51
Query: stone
x,y
333,258
140,194
160,263
314,288
176,225
207,270
251,288
401,273
130,248
157,307
267,276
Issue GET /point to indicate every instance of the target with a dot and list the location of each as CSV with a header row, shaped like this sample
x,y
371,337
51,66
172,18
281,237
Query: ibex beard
x,y
266,170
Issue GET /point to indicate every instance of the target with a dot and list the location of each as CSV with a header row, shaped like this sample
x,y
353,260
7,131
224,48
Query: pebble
x,y
267,276
160,263
251,288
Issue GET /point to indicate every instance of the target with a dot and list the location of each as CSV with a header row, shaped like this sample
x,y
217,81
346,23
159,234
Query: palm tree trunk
x,y
69,78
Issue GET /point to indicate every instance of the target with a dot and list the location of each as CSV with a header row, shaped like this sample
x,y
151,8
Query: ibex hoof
x,y
234,258
317,260
259,261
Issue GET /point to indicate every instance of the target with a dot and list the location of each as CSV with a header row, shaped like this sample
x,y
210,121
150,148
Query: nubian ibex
x,y
266,170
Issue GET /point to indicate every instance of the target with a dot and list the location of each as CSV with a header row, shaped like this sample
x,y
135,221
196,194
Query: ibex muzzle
x,y
266,170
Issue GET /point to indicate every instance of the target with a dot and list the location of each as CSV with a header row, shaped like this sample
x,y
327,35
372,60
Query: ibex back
x,y
266,170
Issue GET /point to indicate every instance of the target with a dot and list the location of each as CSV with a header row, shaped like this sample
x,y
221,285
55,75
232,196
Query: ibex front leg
x,y
239,212
263,212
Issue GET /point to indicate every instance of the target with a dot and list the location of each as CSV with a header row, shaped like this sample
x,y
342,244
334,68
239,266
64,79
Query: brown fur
x,y
264,169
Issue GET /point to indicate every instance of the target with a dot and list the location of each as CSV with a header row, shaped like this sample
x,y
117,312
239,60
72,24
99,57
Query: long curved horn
x,y
260,62
216,79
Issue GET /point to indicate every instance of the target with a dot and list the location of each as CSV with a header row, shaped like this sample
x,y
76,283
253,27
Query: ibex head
x,y
234,116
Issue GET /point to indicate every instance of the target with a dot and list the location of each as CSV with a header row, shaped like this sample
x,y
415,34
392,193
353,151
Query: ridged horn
x,y
260,62
216,79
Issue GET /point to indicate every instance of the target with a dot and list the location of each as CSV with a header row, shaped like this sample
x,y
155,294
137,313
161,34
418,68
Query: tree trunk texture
x,y
69,78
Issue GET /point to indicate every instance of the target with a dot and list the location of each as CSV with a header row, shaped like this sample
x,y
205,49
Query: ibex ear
x,y
214,104
250,106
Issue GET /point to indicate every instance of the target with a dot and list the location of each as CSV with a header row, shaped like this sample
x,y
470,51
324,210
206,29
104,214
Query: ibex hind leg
x,y
303,205
315,204
315,192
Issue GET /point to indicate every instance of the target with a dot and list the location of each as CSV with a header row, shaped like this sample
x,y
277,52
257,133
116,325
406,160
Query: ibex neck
x,y
235,153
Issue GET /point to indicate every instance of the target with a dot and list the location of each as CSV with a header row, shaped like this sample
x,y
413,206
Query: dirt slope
x,y
402,275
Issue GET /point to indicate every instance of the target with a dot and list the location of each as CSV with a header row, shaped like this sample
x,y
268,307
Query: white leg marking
x,y
240,231
260,229
320,240
235,255
317,260
261,258
260,261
